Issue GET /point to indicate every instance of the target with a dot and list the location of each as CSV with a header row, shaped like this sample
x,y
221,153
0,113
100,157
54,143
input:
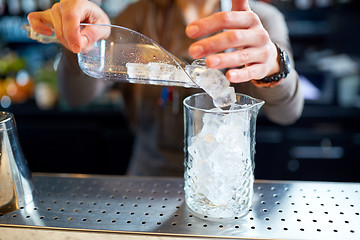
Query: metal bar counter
x,y
154,208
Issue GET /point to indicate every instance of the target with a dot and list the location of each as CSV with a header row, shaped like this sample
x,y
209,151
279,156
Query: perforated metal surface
x,y
281,210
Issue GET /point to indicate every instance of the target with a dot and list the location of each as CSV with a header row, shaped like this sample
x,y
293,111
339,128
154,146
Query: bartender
x,y
254,48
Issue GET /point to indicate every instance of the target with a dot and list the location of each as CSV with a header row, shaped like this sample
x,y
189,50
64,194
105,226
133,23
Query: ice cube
x,y
226,98
233,136
161,71
212,81
137,70
218,193
199,62
202,145
200,169
239,118
181,76
212,121
226,168
195,71
237,106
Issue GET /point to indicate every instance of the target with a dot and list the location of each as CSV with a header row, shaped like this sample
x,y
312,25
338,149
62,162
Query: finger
x,y
228,39
71,23
220,21
92,33
255,71
240,5
58,25
237,58
40,22
89,13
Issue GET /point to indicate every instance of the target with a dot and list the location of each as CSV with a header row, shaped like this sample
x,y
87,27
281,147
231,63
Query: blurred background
x,y
323,145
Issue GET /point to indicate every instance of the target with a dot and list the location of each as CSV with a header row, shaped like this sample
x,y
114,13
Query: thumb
x,y
91,33
240,5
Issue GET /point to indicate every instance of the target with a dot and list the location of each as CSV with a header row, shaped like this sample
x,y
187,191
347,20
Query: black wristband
x,y
284,63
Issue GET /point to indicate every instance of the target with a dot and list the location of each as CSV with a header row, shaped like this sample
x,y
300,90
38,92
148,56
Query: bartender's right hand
x,y
64,19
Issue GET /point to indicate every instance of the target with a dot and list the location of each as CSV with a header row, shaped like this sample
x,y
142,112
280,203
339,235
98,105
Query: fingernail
x,y
213,61
232,75
74,47
48,32
84,41
192,30
196,51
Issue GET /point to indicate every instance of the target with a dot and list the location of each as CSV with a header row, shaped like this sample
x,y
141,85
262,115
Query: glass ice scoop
x,y
125,55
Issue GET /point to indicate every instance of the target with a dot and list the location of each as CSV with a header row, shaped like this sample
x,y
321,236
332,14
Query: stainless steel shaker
x,y
16,190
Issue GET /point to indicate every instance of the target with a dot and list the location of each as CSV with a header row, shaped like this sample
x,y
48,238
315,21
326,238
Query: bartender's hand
x,y
255,50
65,18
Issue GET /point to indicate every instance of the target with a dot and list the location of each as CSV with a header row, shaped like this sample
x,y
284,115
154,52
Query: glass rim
x,y
245,108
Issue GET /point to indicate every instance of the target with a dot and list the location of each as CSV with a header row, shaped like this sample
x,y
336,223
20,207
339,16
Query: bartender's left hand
x,y
255,50
64,19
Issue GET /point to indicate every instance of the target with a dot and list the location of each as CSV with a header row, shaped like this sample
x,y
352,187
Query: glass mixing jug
x,y
219,156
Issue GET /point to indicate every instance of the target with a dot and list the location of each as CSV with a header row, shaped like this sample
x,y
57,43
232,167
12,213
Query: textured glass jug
x,y
219,156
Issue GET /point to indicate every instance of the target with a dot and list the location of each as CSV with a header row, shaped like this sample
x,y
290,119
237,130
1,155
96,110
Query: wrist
x,y
275,62
283,70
